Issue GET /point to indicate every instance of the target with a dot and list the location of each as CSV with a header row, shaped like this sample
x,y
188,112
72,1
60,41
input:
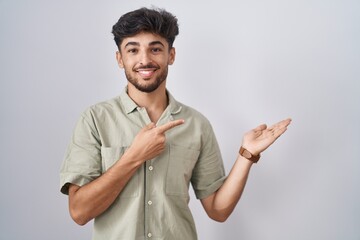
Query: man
x,y
131,159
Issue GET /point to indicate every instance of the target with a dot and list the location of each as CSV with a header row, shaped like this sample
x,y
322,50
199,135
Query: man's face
x,y
145,58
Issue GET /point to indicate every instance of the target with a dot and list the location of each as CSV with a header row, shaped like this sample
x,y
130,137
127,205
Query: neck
x,y
155,102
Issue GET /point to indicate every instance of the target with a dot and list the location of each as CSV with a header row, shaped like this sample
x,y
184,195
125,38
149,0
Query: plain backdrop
x,y
241,63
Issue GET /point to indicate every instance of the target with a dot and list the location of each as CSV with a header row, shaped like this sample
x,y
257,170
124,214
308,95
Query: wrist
x,y
133,157
244,161
254,158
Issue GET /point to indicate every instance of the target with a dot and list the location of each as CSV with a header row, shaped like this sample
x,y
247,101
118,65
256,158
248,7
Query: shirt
x,y
154,203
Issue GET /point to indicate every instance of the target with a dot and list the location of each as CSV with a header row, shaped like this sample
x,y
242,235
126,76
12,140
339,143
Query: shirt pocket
x,y
110,155
181,164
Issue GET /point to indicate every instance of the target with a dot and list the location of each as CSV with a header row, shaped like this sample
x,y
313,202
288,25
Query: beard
x,y
146,87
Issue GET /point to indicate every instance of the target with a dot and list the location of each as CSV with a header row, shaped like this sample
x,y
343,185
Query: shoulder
x,y
102,109
186,112
194,116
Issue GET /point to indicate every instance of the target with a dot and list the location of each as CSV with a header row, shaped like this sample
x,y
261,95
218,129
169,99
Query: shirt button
x,y
149,235
149,202
151,168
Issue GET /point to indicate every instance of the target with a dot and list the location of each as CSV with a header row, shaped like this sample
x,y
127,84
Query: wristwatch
x,y
248,155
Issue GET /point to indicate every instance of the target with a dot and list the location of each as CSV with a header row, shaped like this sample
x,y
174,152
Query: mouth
x,y
146,73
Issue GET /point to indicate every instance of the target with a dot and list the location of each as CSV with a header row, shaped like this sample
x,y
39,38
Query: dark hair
x,y
157,21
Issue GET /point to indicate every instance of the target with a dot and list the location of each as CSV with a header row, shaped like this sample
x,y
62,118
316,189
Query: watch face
x,y
247,154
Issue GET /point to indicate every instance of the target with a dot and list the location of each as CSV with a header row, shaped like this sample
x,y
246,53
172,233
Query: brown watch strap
x,y
248,155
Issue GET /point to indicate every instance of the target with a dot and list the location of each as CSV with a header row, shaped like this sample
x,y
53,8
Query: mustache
x,y
149,65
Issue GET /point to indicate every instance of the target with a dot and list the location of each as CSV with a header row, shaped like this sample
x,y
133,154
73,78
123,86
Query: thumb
x,y
260,127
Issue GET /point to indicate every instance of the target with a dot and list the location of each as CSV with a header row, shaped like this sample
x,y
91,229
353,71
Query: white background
x,y
240,63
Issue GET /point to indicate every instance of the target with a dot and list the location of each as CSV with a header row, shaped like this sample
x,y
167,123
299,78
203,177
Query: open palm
x,y
260,138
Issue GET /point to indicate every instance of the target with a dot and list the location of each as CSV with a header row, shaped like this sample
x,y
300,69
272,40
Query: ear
x,y
172,56
119,59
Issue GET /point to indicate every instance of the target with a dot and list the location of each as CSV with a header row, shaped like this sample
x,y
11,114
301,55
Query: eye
x,y
156,50
132,50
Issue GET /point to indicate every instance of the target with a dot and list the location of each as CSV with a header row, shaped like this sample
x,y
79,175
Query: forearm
x,y
225,199
220,204
92,199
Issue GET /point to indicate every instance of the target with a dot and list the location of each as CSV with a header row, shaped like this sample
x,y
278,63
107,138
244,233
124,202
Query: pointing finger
x,y
170,125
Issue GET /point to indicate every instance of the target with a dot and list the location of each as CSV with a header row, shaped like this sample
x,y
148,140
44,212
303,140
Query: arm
x,y
92,199
220,204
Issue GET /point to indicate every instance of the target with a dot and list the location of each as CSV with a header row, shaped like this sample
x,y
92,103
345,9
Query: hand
x,y
260,138
151,140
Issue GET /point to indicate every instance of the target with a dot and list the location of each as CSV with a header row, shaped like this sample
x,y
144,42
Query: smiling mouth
x,y
146,73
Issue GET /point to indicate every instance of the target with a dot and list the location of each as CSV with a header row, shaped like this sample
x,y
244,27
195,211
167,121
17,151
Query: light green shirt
x,y
154,203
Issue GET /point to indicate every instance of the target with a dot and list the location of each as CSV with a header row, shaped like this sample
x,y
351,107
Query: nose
x,y
144,58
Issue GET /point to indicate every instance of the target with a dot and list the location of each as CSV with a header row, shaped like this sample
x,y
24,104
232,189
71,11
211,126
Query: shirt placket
x,y
149,170
148,179
148,201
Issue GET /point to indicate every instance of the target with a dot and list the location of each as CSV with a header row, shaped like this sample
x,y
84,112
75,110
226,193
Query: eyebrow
x,y
138,44
132,44
155,43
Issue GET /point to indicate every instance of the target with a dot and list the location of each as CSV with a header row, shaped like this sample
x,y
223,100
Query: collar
x,y
129,105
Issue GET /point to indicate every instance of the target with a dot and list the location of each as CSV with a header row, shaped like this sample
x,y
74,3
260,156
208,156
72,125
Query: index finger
x,y
170,125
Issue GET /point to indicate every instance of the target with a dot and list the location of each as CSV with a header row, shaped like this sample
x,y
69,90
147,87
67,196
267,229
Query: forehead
x,y
144,39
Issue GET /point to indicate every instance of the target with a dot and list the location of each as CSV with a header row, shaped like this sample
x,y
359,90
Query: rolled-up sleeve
x,y
209,173
82,161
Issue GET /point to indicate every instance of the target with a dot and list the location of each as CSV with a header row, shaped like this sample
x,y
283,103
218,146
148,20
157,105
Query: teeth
x,y
145,73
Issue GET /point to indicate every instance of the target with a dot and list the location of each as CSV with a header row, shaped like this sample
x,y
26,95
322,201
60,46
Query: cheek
x,y
165,61
125,63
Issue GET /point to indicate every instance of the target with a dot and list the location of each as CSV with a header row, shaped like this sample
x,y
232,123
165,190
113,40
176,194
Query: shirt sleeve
x,y
208,174
82,161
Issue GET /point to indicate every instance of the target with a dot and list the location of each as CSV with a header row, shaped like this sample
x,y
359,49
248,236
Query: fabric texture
x,y
154,203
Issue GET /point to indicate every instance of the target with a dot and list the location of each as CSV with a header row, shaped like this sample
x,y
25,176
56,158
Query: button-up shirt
x,y
154,202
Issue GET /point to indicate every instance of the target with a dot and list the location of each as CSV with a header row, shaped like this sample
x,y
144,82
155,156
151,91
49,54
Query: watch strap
x,y
248,155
